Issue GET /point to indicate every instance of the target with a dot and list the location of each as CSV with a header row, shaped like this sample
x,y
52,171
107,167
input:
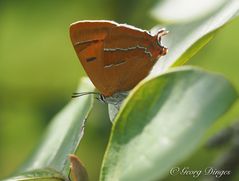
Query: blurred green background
x,y
39,71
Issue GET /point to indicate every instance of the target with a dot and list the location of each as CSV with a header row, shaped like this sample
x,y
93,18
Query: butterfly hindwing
x,y
115,57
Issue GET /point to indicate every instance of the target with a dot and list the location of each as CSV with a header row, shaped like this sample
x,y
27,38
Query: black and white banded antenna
x,y
99,97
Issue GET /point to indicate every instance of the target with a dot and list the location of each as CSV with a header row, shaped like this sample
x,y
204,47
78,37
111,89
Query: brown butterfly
x,y
115,56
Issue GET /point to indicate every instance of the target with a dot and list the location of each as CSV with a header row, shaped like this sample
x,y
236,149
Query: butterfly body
x,y
115,56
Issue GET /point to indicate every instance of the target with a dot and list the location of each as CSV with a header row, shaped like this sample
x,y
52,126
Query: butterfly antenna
x,y
101,98
75,95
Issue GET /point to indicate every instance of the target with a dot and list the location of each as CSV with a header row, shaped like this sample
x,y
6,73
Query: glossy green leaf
x,y
39,174
184,40
50,160
163,121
